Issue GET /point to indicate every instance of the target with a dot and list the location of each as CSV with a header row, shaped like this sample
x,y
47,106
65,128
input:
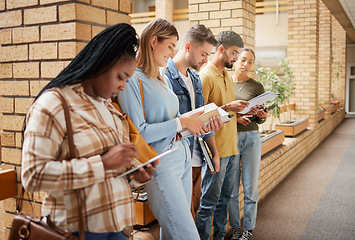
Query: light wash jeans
x,y
249,146
216,193
169,194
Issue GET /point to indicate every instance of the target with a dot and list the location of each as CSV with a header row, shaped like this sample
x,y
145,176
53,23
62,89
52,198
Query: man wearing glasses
x,y
217,87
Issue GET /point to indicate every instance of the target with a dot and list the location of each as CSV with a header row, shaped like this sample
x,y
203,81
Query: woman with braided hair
x,y
103,151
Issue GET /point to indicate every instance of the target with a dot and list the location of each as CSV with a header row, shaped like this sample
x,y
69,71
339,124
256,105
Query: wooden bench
x,y
7,183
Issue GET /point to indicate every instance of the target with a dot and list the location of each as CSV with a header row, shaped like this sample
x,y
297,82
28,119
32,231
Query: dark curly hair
x,y
228,39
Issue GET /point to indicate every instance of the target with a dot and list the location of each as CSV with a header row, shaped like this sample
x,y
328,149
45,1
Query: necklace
x,y
241,86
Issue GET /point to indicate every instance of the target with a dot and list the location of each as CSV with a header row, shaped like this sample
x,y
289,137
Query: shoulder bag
x,y
29,227
145,151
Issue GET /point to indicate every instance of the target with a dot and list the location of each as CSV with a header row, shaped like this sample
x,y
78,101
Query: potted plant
x,y
271,82
291,126
271,138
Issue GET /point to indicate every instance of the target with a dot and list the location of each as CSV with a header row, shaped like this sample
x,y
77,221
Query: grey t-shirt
x,y
246,91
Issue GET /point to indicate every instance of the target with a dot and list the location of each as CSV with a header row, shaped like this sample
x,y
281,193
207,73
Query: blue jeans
x,y
169,194
249,146
103,236
216,192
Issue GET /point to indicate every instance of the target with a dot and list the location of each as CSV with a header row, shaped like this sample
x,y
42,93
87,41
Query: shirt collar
x,y
173,69
214,70
78,88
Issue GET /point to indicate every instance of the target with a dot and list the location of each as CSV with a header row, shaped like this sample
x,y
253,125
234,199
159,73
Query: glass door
x,y
350,109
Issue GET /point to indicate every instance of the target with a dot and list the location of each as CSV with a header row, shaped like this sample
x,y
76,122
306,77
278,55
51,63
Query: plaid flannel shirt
x,y
107,199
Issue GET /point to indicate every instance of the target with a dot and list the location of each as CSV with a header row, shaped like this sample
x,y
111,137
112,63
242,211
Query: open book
x,y
259,100
210,110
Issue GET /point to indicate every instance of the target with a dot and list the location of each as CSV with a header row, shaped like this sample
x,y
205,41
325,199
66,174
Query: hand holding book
x,y
210,110
259,112
193,123
236,106
263,110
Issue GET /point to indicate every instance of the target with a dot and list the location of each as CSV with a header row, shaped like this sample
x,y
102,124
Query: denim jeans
x,y
103,236
216,193
249,146
169,194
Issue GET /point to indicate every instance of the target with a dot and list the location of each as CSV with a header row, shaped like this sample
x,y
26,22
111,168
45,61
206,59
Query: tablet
x,y
147,162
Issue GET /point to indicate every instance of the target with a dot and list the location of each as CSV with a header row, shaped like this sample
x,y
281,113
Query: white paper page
x,y
222,112
259,100
206,108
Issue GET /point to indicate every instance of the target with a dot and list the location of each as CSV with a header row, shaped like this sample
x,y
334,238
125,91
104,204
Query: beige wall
x,y
271,39
325,59
238,16
350,78
302,52
339,61
268,33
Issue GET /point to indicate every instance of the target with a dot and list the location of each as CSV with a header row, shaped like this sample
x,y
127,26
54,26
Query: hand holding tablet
x,y
147,162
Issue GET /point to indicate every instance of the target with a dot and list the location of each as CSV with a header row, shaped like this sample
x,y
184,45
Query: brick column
x,y
339,62
238,16
38,38
164,9
325,58
302,52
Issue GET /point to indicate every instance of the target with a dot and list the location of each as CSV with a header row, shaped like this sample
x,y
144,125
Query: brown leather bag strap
x,y
72,154
141,92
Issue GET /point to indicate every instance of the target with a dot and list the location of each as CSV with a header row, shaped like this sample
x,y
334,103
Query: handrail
x,y
264,10
181,11
148,16
261,7
265,4
274,6
142,20
142,14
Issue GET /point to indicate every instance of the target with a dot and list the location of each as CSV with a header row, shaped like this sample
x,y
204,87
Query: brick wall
x,y
302,52
325,58
339,61
38,38
220,15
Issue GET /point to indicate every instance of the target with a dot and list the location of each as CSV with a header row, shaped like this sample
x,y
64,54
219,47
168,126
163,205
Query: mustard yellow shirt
x,y
219,88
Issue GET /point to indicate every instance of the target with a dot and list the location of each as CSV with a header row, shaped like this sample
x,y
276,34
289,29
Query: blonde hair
x,y
162,29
